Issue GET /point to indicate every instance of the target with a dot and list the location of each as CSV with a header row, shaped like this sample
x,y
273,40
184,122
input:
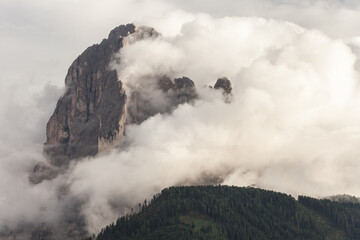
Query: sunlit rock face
x,y
91,114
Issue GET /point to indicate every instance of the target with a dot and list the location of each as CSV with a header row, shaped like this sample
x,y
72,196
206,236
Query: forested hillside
x,y
224,212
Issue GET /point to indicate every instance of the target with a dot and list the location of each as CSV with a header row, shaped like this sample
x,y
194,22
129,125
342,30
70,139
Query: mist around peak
x,y
291,125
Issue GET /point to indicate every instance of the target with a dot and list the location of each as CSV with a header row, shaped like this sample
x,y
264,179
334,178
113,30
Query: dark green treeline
x,y
235,213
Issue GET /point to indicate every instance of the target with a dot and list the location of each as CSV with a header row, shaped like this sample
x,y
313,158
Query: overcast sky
x,y
40,39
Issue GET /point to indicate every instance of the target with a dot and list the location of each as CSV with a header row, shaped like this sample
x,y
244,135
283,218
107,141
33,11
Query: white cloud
x,y
292,124
293,119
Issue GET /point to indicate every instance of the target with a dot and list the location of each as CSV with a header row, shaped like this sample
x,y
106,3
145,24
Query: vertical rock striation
x,y
91,113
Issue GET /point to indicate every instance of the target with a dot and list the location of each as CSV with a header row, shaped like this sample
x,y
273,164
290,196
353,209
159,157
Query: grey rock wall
x,y
90,115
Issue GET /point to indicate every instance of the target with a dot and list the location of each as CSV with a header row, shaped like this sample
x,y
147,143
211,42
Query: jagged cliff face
x,y
91,114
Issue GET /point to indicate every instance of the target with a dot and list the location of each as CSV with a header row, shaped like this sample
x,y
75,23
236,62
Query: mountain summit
x,y
91,113
97,105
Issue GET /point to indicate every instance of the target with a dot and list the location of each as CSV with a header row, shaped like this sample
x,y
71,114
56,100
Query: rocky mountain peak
x,y
96,107
169,94
91,113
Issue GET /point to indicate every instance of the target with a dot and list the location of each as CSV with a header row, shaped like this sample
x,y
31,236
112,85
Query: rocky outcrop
x,y
183,90
224,84
91,114
42,171
162,97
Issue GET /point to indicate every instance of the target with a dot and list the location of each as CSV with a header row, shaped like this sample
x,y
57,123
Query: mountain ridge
x,y
229,212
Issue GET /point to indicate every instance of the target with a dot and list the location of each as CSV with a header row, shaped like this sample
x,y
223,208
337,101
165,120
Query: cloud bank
x,y
292,125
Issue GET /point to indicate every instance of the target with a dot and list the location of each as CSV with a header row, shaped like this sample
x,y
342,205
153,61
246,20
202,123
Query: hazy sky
x,y
293,125
42,38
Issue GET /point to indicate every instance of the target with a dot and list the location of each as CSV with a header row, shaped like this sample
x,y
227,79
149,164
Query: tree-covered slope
x,y
223,212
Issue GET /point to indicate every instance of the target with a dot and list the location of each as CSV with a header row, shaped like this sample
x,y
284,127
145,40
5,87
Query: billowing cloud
x,y
292,124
